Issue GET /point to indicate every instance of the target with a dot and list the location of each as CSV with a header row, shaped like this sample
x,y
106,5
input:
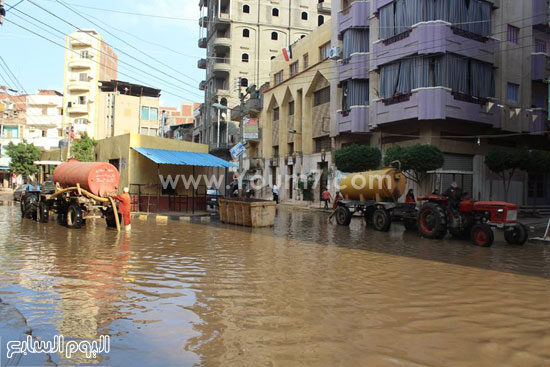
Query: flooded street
x,y
302,294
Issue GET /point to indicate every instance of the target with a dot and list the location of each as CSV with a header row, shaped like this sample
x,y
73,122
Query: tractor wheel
x,y
517,235
410,225
343,216
482,235
74,217
381,220
31,207
43,212
432,221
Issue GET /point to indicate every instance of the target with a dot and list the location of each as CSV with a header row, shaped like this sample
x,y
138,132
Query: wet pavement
x,y
301,294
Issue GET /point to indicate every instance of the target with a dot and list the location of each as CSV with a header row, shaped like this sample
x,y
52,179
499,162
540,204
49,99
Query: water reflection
x,y
303,293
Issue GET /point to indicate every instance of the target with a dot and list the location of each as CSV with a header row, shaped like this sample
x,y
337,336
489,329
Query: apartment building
x,y
13,110
467,76
179,123
295,119
88,60
240,39
44,116
126,108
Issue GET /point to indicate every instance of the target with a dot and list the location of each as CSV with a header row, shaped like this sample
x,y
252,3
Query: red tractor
x,y
470,219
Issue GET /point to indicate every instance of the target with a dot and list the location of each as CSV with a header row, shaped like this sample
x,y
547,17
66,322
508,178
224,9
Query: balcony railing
x,y
540,66
356,15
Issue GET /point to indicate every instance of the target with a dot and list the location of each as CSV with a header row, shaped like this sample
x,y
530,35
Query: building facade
x,y
44,119
88,60
295,118
13,111
240,39
467,76
126,108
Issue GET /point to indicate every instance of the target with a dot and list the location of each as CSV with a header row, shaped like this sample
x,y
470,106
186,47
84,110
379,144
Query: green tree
x,y
83,150
23,156
357,158
416,160
506,163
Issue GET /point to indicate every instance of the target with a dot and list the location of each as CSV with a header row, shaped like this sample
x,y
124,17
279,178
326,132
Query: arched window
x,y
246,9
274,36
245,58
320,20
246,33
223,101
275,12
244,82
302,36
304,15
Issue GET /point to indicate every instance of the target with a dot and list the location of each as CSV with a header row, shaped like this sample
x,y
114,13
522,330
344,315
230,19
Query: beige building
x,y
44,116
88,60
240,39
295,119
125,108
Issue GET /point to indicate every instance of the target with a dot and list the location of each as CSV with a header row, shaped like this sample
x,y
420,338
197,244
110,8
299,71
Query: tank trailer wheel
x,y
482,235
518,235
381,220
432,221
43,212
343,216
74,217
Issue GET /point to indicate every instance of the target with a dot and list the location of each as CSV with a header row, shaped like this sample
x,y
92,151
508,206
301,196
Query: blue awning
x,y
3,168
182,158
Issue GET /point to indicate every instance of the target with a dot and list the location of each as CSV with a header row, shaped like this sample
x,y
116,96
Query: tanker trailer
x,y
375,195
82,191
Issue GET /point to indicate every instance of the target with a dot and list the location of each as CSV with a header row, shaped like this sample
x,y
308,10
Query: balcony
x,y
356,15
203,42
201,64
435,37
81,63
356,67
220,42
436,103
202,85
223,18
541,17
81,42
221,65
540,66
323,8
77,109
356,120
203,21
79,86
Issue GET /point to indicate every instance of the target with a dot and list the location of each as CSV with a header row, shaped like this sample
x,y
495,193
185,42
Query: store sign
x,y
237,151
251,128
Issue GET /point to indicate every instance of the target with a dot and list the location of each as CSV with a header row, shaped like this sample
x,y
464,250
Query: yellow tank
x,y
387,184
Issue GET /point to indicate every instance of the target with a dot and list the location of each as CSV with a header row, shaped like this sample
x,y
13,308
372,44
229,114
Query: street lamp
x,y
221,107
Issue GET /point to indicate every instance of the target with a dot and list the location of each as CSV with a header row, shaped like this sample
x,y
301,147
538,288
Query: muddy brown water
x,y
301,294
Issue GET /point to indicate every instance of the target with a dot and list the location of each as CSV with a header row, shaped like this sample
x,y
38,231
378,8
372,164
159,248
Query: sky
x,y
38,64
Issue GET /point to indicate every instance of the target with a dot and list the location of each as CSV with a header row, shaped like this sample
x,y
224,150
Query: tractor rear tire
x,y
343,216
74,217
381,220
482,235
43,212
31,207
518,235
432,221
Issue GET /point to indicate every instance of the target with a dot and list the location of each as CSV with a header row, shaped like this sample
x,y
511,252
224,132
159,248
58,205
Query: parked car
x,y
20,191
212,199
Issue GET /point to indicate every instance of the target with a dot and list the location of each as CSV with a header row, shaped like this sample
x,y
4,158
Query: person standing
x,y
326,197
337,198
124,207
276,194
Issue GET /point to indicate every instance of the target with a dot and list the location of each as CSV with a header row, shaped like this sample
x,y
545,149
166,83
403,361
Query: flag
x,y
287,53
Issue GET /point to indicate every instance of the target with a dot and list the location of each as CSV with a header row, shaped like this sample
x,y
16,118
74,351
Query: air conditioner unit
x,y
335,53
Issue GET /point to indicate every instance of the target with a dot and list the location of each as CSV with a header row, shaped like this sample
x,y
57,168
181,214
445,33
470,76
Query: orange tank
x,y
97,177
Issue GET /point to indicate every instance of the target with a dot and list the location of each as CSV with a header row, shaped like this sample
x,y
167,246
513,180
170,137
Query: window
x,y
302,36
275,12
291,108
84,54
244,82
536,186
246,9
322,96
44,133
145,113
540,46
355,92
513,34
320,20
246,33
10,132
306,61
324,51
82,100
304,15
278,77
83,77
276,114
294,69
355,40
512,93
154,115
274,36
244,58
